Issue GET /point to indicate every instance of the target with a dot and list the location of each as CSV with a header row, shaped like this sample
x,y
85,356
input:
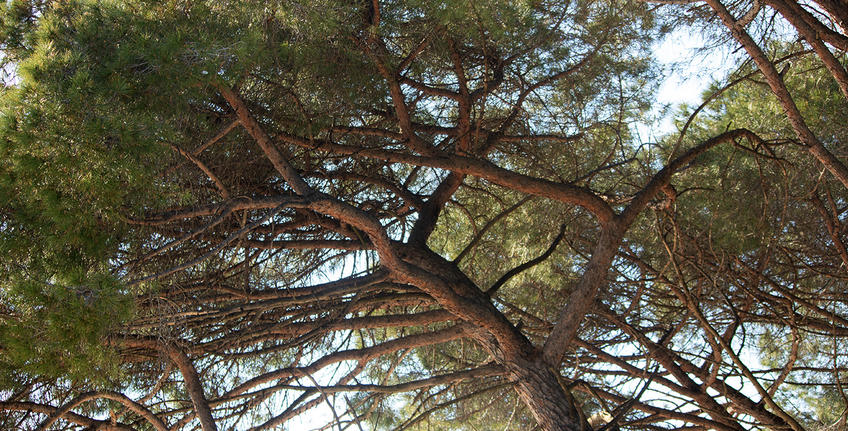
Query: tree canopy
x,y
404,215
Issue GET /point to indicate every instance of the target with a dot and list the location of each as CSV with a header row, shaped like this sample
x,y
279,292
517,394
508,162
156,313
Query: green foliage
x,y
106,89
751,205
59,330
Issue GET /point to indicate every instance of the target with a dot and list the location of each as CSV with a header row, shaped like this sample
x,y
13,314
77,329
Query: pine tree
x,y
416,214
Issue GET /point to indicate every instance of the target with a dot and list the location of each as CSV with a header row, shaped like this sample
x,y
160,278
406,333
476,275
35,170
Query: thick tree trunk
x,y
536,383
550,404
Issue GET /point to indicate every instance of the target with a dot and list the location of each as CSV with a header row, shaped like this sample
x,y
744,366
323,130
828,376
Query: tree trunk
x,y
551,405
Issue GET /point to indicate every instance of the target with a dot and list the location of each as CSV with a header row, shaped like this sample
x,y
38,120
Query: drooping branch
x,y
485,371
139,409
222,189
104,425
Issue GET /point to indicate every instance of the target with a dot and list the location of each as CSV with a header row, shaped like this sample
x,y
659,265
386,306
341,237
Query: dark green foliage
x,y
58,330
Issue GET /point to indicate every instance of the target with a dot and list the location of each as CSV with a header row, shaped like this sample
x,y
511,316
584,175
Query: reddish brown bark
x,y
194,388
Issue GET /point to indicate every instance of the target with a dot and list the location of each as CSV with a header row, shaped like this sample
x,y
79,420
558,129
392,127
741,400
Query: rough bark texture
x,y
583,297
540,389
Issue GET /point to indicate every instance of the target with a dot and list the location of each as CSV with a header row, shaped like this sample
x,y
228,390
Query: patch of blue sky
x,y
688,67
